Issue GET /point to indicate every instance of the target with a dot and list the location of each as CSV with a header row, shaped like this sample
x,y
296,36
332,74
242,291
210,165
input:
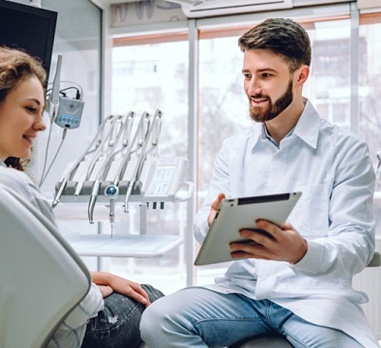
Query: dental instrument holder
x,y
141,177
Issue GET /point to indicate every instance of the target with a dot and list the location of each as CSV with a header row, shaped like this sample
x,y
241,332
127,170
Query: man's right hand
x,y
214,207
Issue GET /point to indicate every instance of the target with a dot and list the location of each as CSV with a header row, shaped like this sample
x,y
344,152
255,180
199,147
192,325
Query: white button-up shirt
x,y
333,170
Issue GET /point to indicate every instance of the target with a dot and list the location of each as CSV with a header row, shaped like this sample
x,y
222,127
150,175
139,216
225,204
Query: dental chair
x,y
42,278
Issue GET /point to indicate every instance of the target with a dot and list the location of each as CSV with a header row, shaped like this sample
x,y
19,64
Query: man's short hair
x,y
283,37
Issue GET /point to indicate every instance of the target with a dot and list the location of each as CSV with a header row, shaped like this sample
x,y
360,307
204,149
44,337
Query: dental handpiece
x,y
112,191
60,191
93,199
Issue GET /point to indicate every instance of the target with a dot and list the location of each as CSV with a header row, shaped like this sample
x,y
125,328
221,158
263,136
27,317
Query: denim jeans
x,y
117,326
198,317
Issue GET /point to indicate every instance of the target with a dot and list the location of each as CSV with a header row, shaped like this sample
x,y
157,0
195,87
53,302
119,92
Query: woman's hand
x,y
109,283
105,290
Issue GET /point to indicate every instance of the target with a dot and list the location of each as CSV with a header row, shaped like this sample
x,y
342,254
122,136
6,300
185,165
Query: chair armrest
x,y
376,260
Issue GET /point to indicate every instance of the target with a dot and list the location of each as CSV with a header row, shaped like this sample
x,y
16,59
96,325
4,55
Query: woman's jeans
x,y
198,317
117,326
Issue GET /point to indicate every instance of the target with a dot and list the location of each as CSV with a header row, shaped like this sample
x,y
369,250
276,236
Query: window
x,y
145,78
369,96
222,104
370,82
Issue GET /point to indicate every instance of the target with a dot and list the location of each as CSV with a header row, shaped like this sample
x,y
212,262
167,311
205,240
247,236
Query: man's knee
x,y
150,319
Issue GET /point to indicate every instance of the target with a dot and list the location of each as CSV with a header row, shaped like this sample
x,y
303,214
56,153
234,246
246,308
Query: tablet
x,y
239,213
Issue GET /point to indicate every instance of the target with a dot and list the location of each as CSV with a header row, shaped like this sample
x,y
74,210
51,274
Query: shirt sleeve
x,y
219,183
87,309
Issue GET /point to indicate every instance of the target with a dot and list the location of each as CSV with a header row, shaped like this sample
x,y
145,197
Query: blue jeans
x,y
117,326
198,317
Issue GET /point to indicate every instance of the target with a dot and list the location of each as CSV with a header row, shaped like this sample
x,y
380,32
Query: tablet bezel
x,y
238,213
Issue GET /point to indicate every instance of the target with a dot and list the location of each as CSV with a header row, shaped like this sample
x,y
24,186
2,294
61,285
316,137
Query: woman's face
x,y
21,118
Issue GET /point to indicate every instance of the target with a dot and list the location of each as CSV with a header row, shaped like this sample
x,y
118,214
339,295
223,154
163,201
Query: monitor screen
x,y
29,28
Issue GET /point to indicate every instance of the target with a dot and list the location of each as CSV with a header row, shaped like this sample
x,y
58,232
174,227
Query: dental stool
x,y
269,341
275,341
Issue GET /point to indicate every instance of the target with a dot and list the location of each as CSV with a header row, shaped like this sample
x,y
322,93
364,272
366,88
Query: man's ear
x,y
301,75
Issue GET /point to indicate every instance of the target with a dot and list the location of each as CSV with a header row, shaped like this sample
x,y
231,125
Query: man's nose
x,y
253,87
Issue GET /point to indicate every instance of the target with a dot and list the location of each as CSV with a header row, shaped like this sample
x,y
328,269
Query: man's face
x,y
268,84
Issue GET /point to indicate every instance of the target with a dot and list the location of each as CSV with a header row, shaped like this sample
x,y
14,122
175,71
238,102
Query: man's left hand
x,y
277,243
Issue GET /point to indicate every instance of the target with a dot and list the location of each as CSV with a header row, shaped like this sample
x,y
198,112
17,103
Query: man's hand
x,y
214,207
277,243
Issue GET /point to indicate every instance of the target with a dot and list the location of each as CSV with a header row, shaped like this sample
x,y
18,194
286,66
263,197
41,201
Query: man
x,y
297,280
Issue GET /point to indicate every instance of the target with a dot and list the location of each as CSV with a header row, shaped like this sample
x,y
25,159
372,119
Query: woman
x,y
22,101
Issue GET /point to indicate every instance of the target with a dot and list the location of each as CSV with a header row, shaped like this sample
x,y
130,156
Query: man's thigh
x,y
218,319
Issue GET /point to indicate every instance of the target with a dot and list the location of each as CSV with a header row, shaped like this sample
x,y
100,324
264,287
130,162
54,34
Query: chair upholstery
x,y
42,278
376,260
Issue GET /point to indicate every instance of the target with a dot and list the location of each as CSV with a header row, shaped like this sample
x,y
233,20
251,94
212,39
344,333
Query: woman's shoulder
x,y
21,185
13,178
18,182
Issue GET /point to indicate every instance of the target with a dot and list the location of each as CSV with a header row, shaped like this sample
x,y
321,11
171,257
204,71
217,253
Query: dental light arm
x,y
54,96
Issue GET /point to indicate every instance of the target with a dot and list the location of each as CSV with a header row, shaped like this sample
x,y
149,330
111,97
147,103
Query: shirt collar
x,y
266,134
306,129
308,125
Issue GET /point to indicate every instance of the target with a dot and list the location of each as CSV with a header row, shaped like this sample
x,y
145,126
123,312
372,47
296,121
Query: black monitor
x,y
29,28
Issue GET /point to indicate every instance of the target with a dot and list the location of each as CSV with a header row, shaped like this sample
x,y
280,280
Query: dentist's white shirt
x,y
333,170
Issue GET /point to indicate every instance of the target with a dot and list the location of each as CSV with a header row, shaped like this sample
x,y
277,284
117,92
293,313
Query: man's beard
x,y
262,114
